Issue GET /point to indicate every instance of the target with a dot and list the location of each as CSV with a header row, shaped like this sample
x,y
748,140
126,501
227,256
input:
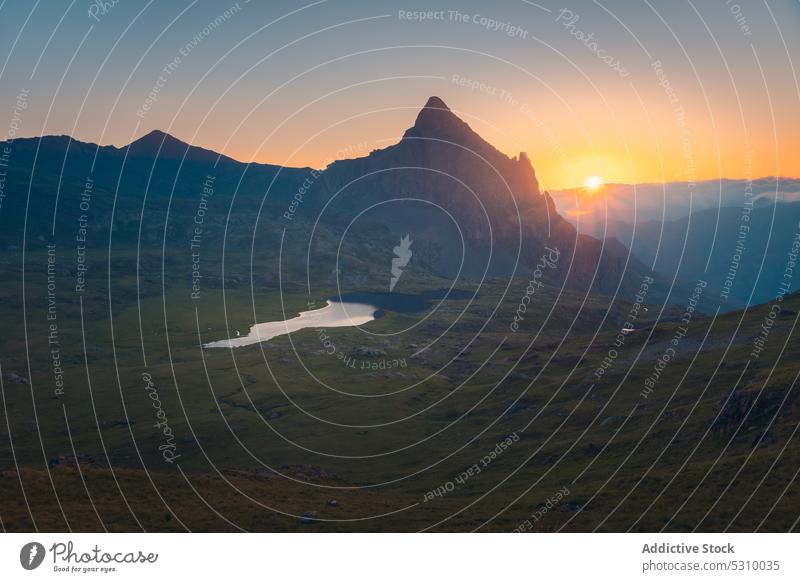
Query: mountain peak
x,y
156,139
165,146
436,121
435,102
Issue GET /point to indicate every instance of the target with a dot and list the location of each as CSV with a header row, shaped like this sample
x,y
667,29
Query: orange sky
x,y
698,91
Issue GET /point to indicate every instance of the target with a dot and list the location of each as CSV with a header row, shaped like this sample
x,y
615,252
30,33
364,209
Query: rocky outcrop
x,y
495,199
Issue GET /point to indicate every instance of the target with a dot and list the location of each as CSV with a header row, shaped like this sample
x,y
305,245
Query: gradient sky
x,y
338,79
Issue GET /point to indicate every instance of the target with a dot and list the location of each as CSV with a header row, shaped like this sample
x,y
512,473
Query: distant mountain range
x,y
480,212
179,246
668,201
746,251
735,234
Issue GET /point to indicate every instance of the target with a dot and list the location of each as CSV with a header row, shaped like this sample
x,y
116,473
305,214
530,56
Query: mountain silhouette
x,y
158,144
495,200
478,210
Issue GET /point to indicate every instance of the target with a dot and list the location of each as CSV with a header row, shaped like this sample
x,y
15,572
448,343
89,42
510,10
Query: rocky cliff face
x,y
494,199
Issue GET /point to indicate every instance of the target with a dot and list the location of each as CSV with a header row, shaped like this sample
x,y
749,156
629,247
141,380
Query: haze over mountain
x,y
598,212
747,250
734,233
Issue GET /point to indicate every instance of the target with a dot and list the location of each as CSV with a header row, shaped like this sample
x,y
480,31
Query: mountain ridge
x,y
457,178
496,199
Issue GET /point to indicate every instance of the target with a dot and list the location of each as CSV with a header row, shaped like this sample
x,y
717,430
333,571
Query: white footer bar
x,y
406,557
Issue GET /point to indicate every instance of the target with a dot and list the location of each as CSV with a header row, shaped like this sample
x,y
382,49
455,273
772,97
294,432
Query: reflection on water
x,y
335,314
344,311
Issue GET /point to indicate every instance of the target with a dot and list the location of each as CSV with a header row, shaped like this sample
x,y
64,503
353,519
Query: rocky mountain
x,y
505,220
474,211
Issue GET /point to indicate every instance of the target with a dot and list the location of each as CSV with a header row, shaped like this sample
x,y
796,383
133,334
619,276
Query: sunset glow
x,y
551,98
593,182
380,267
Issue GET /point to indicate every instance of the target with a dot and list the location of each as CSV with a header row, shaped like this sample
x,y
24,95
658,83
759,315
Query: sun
x,y
593,182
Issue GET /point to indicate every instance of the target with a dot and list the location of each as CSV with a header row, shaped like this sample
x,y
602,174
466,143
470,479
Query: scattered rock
x,y
367,352
592,450
308,517
764,439
74,461
612,419
15,378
